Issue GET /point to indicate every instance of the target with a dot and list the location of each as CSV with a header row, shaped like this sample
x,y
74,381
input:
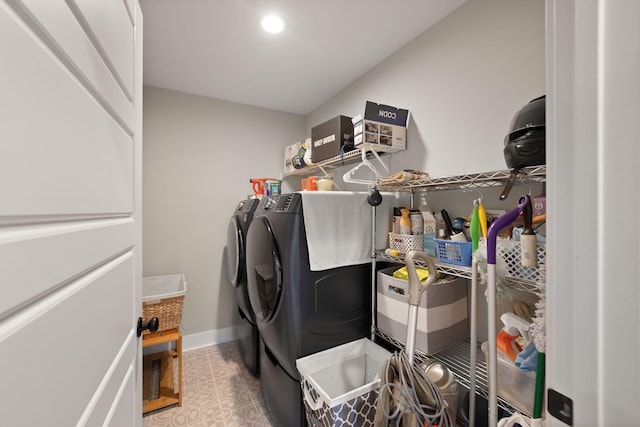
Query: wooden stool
x,y
168,392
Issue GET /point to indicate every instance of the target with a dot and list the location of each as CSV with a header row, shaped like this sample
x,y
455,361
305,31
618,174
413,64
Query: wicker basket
x,y
163,297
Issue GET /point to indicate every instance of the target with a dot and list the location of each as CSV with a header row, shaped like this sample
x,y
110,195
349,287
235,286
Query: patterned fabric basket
x,y
341,385
163,297
359,411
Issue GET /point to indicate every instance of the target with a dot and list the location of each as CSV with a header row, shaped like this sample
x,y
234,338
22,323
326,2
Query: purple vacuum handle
x,y
498,225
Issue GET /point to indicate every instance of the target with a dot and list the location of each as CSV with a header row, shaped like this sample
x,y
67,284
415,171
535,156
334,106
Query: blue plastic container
x,y
452,252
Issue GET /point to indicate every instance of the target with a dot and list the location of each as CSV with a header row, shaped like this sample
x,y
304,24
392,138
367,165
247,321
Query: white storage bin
x,y
442,315
405,243
341,385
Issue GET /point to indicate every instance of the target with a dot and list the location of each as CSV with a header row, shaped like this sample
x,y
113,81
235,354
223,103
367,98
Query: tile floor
x,y
218,391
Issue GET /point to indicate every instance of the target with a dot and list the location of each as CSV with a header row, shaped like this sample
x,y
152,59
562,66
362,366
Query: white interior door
x,y
593,164
70,253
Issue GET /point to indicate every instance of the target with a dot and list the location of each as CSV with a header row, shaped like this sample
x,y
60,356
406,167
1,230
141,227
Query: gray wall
x,y
199,154
463,80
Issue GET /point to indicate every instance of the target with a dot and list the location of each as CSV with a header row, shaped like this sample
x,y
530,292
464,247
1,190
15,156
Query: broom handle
x,y
492,335
538,398
412,323
474,340
495,228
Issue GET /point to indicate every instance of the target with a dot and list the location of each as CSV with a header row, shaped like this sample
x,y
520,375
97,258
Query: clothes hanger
x,y
524,183
348,176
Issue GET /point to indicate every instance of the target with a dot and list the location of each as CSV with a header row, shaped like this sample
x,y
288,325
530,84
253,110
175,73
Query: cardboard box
x,y
341,385
330,137
383,128
442,315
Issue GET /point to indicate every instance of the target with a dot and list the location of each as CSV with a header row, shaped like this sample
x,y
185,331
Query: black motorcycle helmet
x,y
524,145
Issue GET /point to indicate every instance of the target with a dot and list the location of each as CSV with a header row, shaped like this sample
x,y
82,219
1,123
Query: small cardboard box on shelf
x,y
330,137
382,128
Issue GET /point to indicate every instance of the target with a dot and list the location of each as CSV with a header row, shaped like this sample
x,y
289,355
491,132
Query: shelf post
x,y
473,353
373,273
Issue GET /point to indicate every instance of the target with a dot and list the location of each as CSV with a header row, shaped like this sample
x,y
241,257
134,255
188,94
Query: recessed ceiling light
x,y
272,23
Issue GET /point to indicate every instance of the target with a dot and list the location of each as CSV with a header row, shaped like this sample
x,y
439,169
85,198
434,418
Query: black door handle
x,y
152,325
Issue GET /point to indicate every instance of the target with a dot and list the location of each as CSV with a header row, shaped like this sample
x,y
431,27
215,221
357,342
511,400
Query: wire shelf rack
x,y
457,358
347,158
469,181
528,279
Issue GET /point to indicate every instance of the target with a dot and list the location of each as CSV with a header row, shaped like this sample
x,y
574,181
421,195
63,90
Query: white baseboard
x,y
207,338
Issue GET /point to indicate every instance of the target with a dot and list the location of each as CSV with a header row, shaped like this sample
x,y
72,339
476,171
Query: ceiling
x,y
216,48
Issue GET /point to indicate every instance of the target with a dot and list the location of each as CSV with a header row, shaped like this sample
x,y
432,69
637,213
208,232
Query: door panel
x,y
75,334
131,10
123,406
73,40
67,153
110,23
115,388
70,239
22,247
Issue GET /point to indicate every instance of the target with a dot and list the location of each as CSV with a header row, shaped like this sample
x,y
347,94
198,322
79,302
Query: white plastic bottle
x,y
429,231
417,225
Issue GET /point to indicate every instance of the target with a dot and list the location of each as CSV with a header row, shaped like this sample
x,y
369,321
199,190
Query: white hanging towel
x,y
338,227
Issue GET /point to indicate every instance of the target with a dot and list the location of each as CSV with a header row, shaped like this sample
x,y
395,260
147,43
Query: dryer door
x,y
264,270
235,251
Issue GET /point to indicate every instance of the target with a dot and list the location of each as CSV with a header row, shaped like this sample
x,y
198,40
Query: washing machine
x,y
248,335
298,311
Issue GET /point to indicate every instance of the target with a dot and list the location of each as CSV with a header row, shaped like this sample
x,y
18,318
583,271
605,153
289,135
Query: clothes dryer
x,y
248,335
298,311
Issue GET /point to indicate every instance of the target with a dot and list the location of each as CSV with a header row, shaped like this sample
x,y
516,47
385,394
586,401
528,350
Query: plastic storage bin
x,y
453,252
163,297
341,385
514,385
404,243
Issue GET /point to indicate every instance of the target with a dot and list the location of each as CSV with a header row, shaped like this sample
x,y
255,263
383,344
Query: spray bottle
x,y
514,326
